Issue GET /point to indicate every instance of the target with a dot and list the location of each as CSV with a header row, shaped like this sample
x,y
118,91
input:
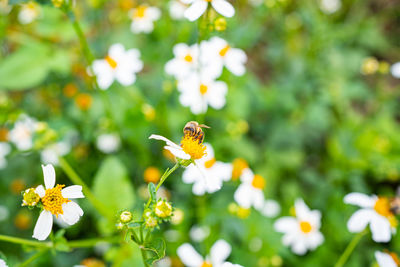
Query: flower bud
x,y
125,217
151,222
30,197
163,209
220,24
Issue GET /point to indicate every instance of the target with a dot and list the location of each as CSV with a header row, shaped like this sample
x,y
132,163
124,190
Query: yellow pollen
x,y
203,89
139,12
224,50
206,264
111,62
393,221
209,163
208,1
382,207
258,182
192,147
238,166
305,227
395,258
188,58
53,200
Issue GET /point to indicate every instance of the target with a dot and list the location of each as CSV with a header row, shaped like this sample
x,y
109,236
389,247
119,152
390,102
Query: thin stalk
x,y
33,257
74,177
144,257
349,249
92,242
22,241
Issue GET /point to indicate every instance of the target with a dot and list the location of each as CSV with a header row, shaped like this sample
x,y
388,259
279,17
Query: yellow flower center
x,y
243,213
224,50
111,62
258,182
209,163
238,166
193,147
53,200
382,207
305,227
188,58
140,12
203,89
206,263
152,175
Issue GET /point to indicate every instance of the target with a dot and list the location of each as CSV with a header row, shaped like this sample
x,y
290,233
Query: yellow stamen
x,y
258,182
140,12
238,166
209,163
203,89
382,207
53,200
305,227
111,62
192,147
224,50
206,264
393,221
188,58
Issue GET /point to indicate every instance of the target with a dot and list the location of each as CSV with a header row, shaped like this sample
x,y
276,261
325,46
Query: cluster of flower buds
x,y
159,212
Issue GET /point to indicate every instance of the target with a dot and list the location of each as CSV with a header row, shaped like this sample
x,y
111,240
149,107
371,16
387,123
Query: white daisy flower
x,y
108,143
395,70
200,90
177,9
208,174
199,233
271,208
219,252
22,133
51,153
218,52
374,211
3,263
301,233
143,18
28,12
198,7
5,149
56,201
330,6
387,259
250,191
185,61
118,65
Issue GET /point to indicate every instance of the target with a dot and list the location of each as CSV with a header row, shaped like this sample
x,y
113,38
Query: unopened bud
x,y
125,217
30,197
163,209
220,24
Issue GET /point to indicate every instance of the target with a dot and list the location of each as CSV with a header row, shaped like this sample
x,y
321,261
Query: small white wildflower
x,y
108,143
143,18
198,7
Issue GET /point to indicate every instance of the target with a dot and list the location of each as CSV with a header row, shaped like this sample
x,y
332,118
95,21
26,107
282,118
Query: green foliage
x,y
155,247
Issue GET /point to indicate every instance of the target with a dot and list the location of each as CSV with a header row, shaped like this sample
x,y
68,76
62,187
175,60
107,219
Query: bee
x,y
193,129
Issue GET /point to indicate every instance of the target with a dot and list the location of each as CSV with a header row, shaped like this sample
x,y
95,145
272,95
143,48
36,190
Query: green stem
x,y
349,249
33,257
144,257
74,177
92,242
22,241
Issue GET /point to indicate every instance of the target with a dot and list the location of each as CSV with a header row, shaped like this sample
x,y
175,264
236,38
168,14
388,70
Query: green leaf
x,y
157,248
112,186
152,191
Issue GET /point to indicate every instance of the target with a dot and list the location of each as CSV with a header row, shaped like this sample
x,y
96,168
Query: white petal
x,y
3,263
177,152
302,210
299,247
49,175
40,191
359,220
116,51
380,228
314,239
199,188
189,256
71,212
195,10
43,225
271,208
190,174
359,199
247,176
243,195
257,197
166,140
219,252
125,77
73,191
223,7
216,95
395,70
285,224
235,60
384,259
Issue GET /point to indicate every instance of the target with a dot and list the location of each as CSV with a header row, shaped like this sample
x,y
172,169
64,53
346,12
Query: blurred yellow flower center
x,y
243,213
152,175
203,89
395,258
209,163
238,166
258,182
53,200
139,12
111,62
382,207
305,227
192,147
188,58
206,263
224,50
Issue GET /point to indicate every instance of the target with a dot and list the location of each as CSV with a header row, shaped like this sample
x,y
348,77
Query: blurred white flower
x,y
228,264
386,259
301,233
4,213
22,133
208,175
199,91
270,209
164,262
5,8
395,70
330,6
28,12
108,143
250,191
177,9
56,201
256,2
3,263
217,51
143,18
199,233
185,61
374,211
198,7
219,252
118,65
51,153
5,149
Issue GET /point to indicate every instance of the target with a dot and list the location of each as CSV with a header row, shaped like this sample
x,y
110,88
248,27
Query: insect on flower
x,y
194,130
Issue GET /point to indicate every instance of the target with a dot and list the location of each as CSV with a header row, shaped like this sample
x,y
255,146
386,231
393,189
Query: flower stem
x,y
144,257
349,249
74,177
22,241
33,257
92,242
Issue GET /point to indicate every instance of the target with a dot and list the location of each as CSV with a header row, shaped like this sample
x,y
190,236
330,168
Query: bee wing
x,y
204,126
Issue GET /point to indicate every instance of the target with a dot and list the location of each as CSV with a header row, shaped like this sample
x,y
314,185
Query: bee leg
x,y
200,136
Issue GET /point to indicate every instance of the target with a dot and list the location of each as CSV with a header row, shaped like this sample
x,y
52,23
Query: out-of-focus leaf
x,y
152,191
157,248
